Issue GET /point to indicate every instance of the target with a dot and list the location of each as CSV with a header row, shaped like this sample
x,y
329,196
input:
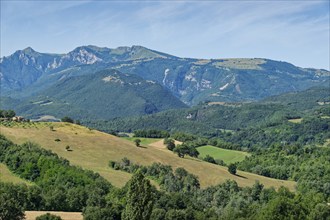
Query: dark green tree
x,y
209,159
48,216
67,119
10,208
232,168
170,144
139,198
137,142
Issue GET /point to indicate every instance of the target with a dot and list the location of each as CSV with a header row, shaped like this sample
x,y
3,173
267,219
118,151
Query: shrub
x,y
49,216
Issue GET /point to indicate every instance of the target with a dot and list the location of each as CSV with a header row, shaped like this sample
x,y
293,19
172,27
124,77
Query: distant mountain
x,y
191,80
103,95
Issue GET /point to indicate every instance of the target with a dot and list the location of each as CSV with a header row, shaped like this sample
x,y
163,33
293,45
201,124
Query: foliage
x,y
178,181
67,119
152,133
308,165
137,142
232,168
11,207
170,143
183,149
139,199
7,113
48,216
64,187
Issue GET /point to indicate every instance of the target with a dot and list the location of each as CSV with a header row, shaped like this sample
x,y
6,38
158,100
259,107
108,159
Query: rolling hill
x,y
92,150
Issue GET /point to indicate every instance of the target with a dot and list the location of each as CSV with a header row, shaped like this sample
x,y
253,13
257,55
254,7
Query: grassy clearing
x,y
7,176
228,156
32,215
92,150
144,141
295,120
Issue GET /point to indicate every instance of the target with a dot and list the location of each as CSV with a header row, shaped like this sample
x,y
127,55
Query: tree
x,y
67,119
184,149
139,198
48,216
181,150
10,208
232,168
137,142
170,144
209,159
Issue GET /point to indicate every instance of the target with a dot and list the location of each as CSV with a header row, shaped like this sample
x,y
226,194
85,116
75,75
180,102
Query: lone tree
x,y
139,198
232,168
137,142
170,144
67,119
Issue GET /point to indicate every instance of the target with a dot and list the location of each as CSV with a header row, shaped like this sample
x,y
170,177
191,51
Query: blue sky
x,y
293,31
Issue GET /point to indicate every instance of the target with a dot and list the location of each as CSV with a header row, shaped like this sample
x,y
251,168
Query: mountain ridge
x,y
27,73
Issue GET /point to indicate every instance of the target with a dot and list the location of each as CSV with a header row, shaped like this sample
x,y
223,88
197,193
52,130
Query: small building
x,y
18,118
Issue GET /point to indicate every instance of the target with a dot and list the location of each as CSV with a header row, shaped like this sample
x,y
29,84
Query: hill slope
x,y
92,150
208,118
103,95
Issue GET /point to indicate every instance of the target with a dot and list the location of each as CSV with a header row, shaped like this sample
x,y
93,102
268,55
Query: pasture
x,y
92,150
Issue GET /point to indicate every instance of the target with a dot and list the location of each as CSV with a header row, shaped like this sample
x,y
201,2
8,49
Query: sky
x,y
291,31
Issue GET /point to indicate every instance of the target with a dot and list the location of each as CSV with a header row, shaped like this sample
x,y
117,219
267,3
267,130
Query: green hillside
x,y
246,124
104,95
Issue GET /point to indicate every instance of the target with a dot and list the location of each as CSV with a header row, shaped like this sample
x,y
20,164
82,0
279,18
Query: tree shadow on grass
x,y
241,176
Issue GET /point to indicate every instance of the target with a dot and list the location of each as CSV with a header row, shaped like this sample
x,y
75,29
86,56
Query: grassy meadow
x,y
228,156
92,149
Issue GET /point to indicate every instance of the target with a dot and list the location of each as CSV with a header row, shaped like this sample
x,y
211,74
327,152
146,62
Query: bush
x,y
67,119
49,216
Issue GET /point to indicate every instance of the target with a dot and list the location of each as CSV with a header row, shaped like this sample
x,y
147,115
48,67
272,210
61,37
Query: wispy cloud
x,y
295,31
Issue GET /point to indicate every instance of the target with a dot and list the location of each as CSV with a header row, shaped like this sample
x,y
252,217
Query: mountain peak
x,y
29,51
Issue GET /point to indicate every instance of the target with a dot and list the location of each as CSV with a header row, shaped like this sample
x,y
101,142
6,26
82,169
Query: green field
x,y
7,176
228,156
93,150
144,141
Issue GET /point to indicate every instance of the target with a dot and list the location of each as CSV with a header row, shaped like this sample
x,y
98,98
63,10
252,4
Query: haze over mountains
x,y
127,81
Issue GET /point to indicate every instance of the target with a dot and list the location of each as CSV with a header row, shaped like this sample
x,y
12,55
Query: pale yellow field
x,y
32,215
92,150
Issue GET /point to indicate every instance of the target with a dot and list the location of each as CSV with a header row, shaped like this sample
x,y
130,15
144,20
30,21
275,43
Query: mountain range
x,y
105,83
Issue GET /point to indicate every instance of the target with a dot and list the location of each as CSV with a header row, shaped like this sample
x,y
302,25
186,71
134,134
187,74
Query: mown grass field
x,y
92,150
228,156
32,215
7,176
